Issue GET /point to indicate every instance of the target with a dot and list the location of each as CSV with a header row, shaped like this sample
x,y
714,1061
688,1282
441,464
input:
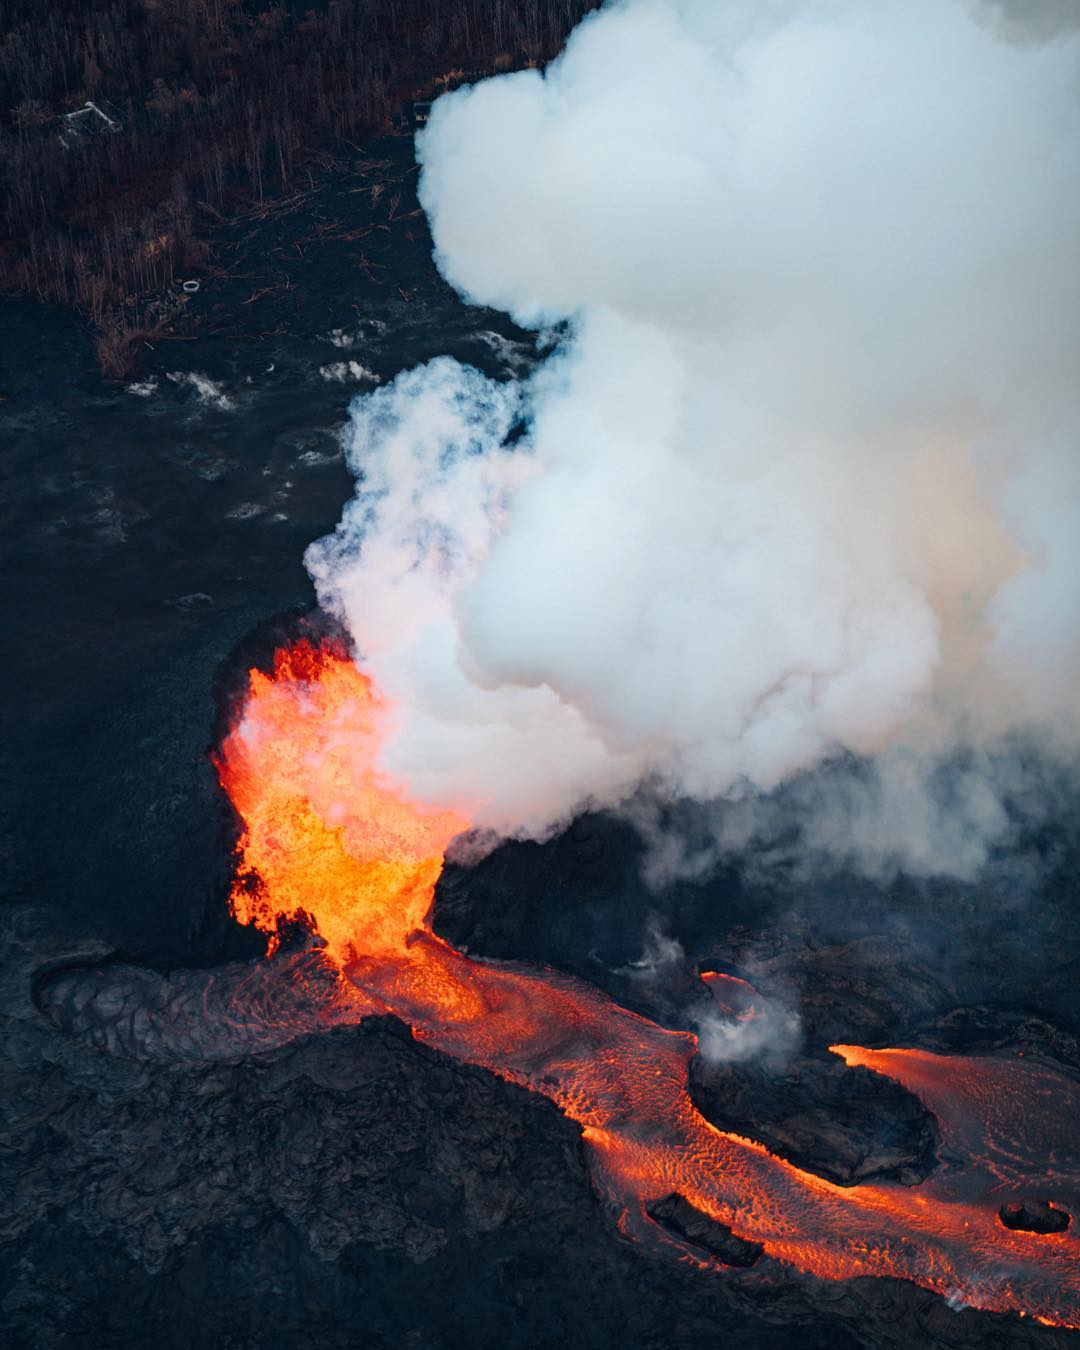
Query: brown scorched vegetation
x,y
220,102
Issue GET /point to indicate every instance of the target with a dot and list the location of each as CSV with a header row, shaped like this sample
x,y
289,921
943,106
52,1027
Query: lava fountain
x,y
329,838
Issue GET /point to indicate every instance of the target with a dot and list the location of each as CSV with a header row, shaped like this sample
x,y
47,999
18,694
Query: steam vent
x,y
544,597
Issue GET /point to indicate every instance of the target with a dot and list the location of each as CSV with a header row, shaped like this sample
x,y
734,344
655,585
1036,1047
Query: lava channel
x,y
330,838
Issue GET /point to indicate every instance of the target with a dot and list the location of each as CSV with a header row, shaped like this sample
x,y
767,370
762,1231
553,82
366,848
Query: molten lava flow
x,y
328,836
1009,1117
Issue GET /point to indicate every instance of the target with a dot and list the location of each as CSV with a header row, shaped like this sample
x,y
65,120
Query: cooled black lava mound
x,y
847,1125
1035,1216
680,1218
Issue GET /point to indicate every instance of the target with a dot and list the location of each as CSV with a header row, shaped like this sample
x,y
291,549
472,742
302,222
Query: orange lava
x,y
733,996
326,835
1012,1119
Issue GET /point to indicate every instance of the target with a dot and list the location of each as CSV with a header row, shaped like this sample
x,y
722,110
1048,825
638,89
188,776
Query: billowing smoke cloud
x,y
801,488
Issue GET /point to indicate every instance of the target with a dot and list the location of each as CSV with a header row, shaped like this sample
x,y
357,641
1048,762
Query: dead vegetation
x,y
228,107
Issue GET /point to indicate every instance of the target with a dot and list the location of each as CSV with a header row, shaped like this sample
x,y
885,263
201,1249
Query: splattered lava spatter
x,y
328,836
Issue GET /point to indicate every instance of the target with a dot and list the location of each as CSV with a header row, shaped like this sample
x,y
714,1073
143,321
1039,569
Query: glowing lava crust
x,y
329,837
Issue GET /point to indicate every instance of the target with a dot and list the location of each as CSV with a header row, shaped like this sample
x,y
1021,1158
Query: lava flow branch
x,y
329,839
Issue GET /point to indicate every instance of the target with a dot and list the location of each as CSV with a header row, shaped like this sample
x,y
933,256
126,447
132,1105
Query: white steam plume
x,y
802,483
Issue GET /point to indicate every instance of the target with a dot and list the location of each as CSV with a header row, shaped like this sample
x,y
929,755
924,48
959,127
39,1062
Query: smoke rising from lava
x,y
753,1027
801,486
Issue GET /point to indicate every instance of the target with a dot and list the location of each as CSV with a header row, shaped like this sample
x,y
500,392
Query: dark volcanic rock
x,y
353,1189
1035,1216
848,1125
681,1218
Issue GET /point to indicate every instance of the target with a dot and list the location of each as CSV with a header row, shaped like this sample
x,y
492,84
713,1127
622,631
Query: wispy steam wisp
x,y
803,482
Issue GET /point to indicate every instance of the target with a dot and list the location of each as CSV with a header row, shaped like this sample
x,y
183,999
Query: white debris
x,y
343,371
209,391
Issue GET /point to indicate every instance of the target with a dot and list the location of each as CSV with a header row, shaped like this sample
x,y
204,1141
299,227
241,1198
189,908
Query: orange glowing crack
x,y
326,835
